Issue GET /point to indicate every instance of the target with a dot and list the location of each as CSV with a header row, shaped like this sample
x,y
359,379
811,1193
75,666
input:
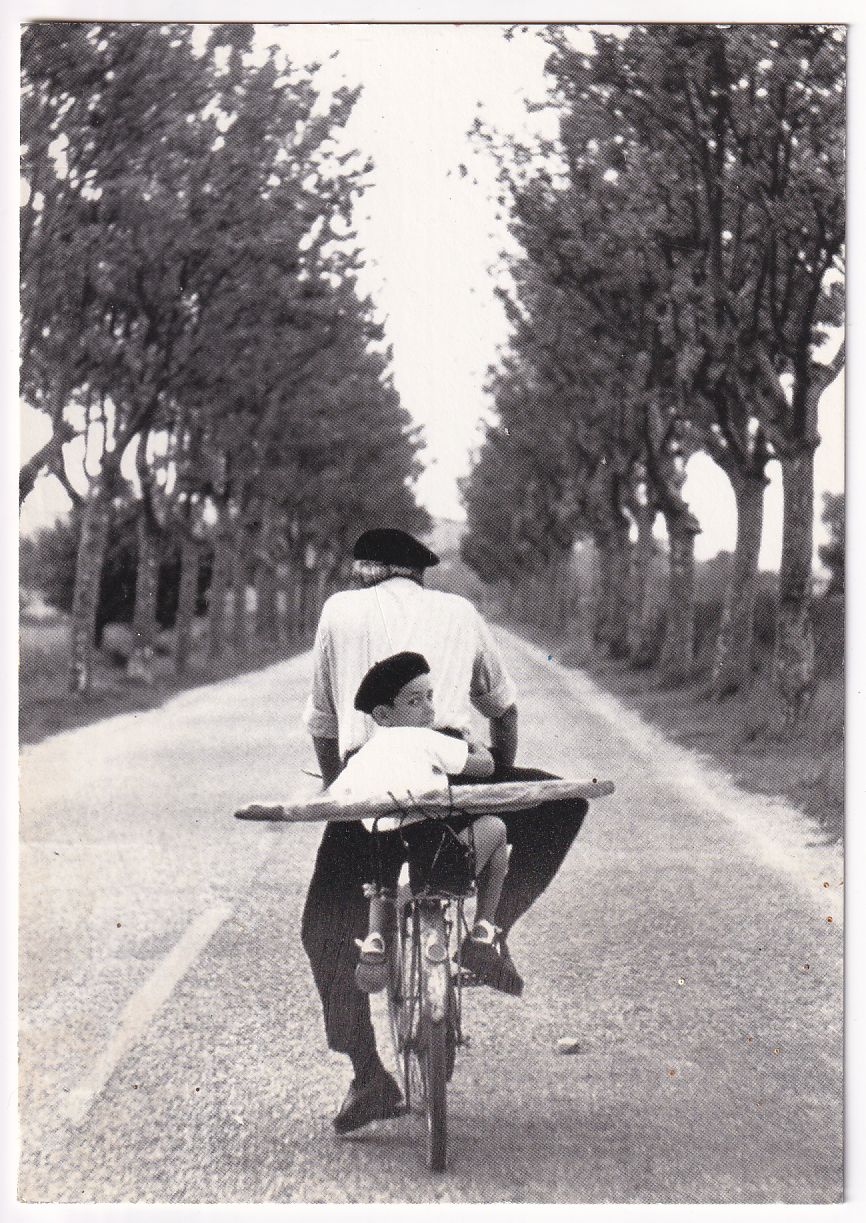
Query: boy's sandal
x,y
371,971
372,949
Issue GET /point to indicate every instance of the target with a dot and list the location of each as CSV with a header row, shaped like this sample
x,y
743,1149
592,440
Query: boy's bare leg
x,y
491,858
371,973
376,923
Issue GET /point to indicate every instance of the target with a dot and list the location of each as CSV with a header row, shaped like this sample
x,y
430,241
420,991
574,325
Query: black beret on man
x,y
385,679
392,547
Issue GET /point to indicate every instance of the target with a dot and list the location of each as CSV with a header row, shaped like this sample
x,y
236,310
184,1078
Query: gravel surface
x,y
684,957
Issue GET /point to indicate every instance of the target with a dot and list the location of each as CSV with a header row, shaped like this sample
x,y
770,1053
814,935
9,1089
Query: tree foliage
x,y
832,554
681,247
188,297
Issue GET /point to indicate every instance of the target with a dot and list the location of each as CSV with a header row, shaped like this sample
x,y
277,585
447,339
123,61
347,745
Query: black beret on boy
x,y
384,680
392,547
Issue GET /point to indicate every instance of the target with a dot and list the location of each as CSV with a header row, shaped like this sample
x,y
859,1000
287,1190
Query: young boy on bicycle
x,y
406,759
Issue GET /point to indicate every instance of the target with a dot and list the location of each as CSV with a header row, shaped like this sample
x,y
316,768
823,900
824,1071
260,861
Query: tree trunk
x,y
734,656
140,664
280,612
571,608
535,603
49,457
290,611
304,608
559,592
321,595
88,575
510,596
679,644
239,597
186,601
794,660
219,584
618,600
524,604
332,578
602,588
266,602
640,644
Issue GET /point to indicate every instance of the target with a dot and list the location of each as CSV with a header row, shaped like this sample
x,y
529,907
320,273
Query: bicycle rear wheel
x,y
422,1013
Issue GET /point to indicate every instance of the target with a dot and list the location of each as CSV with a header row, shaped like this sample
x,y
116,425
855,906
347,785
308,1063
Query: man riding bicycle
x,y
357,628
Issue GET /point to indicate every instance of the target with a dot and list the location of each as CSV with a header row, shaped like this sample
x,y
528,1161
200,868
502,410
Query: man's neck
x,y
417,579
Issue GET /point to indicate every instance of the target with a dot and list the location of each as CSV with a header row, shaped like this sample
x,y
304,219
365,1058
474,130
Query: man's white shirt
x,y
402,762
358,628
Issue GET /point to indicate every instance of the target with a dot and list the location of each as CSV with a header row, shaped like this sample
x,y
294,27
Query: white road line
x,y
779,835
142,1007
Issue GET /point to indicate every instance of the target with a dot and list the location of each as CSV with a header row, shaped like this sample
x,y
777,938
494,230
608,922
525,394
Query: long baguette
x,y
483,799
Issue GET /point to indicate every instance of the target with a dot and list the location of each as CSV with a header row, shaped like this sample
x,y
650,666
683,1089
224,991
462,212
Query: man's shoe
x,y
481,959
510,973
378,1099
492,966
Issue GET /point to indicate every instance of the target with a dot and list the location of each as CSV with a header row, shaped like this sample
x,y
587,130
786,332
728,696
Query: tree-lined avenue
x,y
691,944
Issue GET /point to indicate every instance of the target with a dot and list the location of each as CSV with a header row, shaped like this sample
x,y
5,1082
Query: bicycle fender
x,y
434,955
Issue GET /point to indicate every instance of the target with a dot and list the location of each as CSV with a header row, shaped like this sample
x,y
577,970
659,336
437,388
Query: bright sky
x,y
431,233
432,237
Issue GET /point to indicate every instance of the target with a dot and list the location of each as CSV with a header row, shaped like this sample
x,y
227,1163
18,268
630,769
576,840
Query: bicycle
x,y
425,995
425,981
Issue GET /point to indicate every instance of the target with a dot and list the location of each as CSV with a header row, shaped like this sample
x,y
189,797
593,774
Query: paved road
x,y
171,1046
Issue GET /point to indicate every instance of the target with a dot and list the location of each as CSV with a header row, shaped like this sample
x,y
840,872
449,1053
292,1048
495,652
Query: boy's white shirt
x,y
406,761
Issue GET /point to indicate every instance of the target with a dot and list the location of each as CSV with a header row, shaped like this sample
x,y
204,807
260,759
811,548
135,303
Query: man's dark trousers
x,y
336,911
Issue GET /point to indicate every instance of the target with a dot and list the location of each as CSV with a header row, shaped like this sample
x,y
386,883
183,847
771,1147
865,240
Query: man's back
x,y
359,627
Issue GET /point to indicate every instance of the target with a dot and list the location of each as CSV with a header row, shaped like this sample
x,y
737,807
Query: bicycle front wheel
x,y
435,1063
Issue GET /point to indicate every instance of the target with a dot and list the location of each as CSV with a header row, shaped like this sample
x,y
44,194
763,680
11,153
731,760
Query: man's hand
x,y
479,762
328,755
503,737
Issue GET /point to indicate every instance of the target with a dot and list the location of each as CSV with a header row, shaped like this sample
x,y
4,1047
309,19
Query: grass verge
x,y
741,732
46,707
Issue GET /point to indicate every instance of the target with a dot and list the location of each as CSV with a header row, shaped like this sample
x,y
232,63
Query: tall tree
x,y
732,138
586,310
199,297
111,234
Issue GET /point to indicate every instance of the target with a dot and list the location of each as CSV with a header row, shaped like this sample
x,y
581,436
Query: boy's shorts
x,y
435,855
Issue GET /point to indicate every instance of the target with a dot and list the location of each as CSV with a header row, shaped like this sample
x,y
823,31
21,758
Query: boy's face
x,y
413,705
